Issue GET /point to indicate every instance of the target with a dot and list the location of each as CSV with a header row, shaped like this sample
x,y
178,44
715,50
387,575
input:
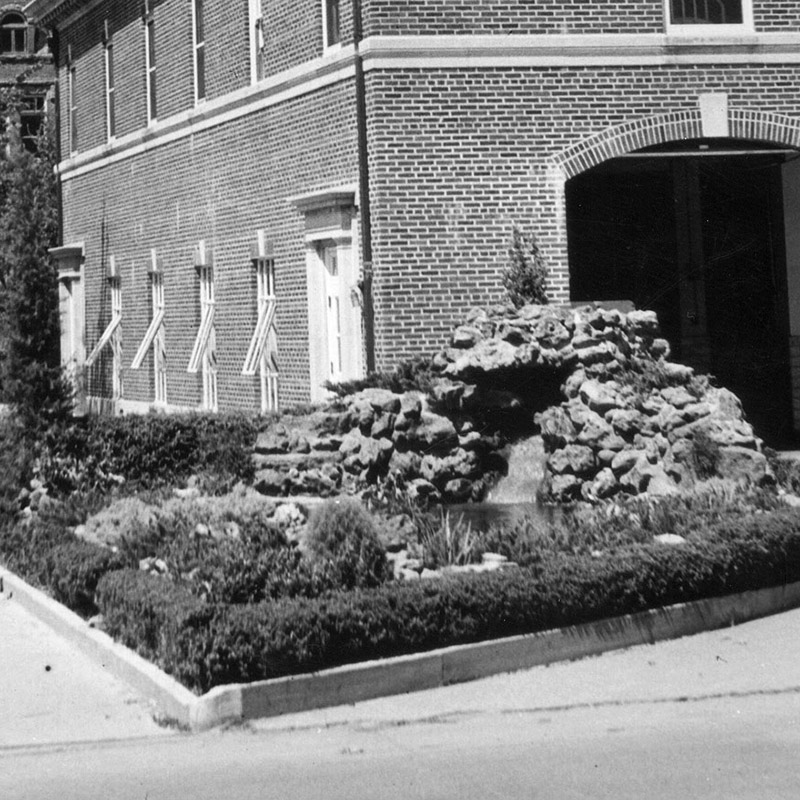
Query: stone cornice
x,y
46,11
564,50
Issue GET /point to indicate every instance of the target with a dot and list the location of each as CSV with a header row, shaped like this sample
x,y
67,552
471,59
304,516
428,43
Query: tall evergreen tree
x,y
31,376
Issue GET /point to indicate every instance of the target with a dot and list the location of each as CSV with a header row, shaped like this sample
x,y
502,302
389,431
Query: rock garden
x,y
231,548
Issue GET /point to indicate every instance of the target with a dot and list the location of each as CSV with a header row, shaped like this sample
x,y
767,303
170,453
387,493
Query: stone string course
x,y
628,421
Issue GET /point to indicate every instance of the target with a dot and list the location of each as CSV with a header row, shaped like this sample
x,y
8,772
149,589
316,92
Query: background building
x,y
259,196
26,70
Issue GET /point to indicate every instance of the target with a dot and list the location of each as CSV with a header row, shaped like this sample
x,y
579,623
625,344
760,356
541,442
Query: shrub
x,y
408,376
343,532
149,450
128,519
72,570
205,645
17,457
525,277
143,610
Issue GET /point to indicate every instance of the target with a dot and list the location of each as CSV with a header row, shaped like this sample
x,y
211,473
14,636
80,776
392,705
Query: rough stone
x,y
572,458
660,483
565,487
594,430
457,490
556,427
671,539
643,323
381,400
383,427
604,485
625,421
743,465
624,461
466,336
600,397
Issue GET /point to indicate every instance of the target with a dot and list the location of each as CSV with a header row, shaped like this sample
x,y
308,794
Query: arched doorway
x,y
695,230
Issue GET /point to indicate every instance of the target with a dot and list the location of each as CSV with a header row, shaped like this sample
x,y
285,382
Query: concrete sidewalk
x,y
51,693
757,658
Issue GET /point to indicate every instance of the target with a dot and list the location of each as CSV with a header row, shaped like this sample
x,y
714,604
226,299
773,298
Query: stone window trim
x,y
701,12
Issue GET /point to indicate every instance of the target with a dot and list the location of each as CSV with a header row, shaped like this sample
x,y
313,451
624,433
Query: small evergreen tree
x,y
31,373
525,277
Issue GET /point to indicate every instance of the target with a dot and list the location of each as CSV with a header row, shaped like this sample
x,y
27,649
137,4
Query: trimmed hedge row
x,y
205,645
148,450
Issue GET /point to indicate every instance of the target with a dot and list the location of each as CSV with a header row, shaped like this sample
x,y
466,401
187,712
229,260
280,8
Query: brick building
x,y
260,195
26,70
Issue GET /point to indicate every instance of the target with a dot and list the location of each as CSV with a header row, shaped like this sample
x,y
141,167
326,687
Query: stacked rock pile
x,y
614,413
632,421
364,438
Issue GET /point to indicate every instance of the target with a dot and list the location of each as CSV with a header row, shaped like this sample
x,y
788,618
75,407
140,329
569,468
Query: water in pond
x,y
515,495
481,516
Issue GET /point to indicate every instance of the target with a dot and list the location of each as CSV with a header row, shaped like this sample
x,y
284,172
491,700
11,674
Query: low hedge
x,y
149,449
204,644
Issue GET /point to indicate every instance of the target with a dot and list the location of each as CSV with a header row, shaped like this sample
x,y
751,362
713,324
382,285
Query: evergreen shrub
x,y
343,532
208,644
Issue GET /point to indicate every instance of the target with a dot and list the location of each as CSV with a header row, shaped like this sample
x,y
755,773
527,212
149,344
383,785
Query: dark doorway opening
x,y
695,232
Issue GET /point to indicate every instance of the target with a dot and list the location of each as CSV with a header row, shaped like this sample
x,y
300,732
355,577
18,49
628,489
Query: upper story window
x,y
108,57
31,117
199,41
331,23
72,103
256,41
701,17
13,30
150,62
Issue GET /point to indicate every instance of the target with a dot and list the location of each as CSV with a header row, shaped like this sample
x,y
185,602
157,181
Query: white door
x,y
333,311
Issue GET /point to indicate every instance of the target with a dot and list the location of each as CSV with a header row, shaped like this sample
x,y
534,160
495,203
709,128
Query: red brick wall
x,y
422,17
457,155
293,32
206,188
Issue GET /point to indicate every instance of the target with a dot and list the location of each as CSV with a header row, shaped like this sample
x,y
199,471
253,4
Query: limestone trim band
x,y
442,52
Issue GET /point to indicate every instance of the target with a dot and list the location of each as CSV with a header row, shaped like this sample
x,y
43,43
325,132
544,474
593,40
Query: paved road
x,y
711,716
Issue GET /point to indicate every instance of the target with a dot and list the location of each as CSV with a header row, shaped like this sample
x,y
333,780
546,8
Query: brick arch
x,y
750,124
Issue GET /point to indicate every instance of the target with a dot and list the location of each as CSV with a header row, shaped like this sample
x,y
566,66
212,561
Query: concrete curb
x,y
173,700
372,679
